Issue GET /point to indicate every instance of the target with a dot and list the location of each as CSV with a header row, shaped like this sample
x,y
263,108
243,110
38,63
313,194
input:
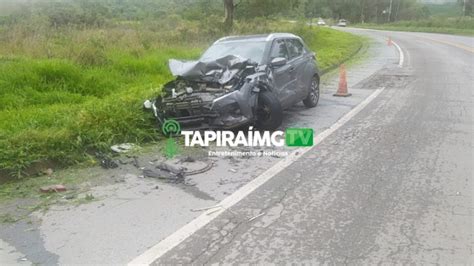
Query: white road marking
x,y
199,222
401,55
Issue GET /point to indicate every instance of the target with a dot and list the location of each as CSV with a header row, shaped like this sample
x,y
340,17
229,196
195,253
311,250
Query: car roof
x,y
259,37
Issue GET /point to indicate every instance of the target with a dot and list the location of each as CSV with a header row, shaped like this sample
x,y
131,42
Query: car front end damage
x,y
221,94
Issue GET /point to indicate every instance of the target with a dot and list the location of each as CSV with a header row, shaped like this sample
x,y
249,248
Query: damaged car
x,y
240,81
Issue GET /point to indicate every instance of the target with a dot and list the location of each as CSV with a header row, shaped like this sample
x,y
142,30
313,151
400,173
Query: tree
x,y
229,14
467,6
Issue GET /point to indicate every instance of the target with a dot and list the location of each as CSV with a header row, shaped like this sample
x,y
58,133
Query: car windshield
x,y
244,49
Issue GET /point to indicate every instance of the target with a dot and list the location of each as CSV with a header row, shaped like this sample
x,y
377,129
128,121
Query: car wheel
x,y
313,97
269,112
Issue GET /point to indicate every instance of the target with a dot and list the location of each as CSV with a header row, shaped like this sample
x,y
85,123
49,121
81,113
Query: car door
x,y
281,77
298,62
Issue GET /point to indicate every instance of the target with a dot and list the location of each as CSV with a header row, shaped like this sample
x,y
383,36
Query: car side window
x,y
295,48
279,49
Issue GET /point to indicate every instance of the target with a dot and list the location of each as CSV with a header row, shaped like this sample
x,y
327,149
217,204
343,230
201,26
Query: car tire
x,y
313,96
269,112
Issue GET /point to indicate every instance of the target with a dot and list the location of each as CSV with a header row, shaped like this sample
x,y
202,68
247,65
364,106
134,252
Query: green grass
x,y
67,93
452,25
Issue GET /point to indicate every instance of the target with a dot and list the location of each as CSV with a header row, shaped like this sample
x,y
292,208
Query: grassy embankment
x,y
68,92
458,26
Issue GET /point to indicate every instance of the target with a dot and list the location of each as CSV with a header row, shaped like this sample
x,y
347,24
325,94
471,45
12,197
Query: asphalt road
x,y
392,185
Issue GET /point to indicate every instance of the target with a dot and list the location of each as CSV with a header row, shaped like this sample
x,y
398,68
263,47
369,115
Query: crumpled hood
x,y
219,71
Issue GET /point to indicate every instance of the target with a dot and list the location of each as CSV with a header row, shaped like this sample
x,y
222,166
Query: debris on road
x,y
166,171
108,163
213,211
105,161
53,188
122,148
48,172
256,216
172,171
160,174
187,159
206,208
70,197
177,170
135,162
200,171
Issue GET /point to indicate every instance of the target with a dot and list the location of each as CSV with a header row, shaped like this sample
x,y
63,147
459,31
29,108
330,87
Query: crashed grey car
x,y
240,81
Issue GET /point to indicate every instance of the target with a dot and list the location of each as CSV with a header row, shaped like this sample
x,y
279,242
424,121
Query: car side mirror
x,y
278,62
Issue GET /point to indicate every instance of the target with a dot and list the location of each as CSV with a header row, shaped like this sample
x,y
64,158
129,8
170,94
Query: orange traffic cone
x,y
342,90
389,41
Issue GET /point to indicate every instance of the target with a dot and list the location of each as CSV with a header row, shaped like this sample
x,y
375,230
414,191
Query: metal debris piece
x,y
256,216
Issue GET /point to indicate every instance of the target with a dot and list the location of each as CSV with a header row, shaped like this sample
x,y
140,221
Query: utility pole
x,y
398,10
390,11
362,6
464,8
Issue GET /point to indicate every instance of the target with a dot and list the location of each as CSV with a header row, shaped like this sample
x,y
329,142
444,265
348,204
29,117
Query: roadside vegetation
x,y
450,18
73,75
459,26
